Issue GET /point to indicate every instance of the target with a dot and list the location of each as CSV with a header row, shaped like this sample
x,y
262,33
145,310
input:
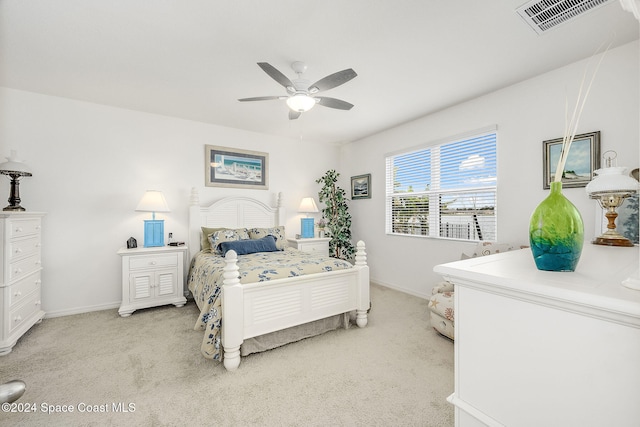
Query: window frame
x,y
435,194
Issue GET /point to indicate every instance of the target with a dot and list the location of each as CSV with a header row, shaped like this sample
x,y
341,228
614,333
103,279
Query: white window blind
x,y
446,190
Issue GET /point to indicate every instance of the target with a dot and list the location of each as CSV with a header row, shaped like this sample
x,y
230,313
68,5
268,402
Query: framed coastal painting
x,y
236,168
584,158
361,187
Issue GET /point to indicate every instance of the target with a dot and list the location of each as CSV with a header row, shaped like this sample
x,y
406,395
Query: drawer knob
x,y
18,229
17,319
17,294
18,250
38,281
18,270
38,227
37,303
153,262
38,245
38,262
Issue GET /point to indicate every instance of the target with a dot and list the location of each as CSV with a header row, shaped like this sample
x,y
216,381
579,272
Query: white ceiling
x,y
194,58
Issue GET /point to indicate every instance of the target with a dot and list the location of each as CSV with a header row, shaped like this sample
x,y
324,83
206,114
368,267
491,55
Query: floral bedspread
x,y
205,283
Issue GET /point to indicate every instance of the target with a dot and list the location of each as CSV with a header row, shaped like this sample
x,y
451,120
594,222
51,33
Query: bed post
x,y
232,312
281,210
194,223
363,285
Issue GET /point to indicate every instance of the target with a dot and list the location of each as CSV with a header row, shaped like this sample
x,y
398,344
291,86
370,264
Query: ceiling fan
x,y
302,95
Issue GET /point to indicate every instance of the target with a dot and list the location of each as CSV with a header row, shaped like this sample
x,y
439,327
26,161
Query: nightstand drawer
x,y
24,247
24,227
314,247
153,261
21,290
23,267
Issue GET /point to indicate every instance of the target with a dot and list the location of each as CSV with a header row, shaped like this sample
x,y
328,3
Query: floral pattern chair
x,y
441,311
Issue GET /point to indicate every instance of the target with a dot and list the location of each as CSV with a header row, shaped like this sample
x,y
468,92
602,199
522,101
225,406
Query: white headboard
x,y
231,212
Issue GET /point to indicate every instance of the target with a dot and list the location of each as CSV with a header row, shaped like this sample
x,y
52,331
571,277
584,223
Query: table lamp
x,y
308,205
15,169
153,201
611,187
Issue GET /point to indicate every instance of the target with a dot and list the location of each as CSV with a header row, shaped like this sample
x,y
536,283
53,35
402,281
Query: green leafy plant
x,y
336,213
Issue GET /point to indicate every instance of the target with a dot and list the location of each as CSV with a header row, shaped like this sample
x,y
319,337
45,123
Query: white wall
x,y
526,114
91,165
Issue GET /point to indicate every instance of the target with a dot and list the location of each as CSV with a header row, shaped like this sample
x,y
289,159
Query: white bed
x,y
255,309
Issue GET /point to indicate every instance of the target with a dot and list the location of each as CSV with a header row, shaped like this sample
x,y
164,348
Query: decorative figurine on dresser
x,y
20,275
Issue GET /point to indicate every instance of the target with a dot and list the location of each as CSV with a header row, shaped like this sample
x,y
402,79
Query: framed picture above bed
x,y
236,168
584,158
361,187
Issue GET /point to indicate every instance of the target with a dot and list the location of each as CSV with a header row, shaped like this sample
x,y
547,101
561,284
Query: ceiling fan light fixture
x,y
301,102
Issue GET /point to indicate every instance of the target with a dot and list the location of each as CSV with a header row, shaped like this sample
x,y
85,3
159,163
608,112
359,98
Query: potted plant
x,y
337,216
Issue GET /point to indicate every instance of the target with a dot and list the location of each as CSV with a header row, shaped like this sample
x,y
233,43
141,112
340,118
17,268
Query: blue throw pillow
x,y
244,247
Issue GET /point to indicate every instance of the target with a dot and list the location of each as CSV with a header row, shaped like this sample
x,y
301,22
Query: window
x,y
446,190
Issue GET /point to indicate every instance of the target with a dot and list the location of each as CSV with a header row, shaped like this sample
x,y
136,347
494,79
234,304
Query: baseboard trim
x,y
81,310
400,289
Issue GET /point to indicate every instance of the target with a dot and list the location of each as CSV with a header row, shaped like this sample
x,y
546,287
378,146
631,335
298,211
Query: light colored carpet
x,y
396,371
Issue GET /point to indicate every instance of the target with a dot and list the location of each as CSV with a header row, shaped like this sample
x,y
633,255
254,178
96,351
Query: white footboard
x,y
259,308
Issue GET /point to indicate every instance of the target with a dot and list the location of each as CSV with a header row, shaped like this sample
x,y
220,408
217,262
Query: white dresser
x,y
539,348
20,275
152,277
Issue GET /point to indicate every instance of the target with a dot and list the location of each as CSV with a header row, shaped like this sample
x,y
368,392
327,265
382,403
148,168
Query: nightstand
x,y
312,244
152,277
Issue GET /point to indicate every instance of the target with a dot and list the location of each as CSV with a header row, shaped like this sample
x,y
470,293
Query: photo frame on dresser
x,y
235,168
584,158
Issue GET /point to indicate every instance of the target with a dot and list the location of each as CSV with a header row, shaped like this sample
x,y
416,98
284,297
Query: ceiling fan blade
x,y
333,80
262,98
334,103
294,114
276,75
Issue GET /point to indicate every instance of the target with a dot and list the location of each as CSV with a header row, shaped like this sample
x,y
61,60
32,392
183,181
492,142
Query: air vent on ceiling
x,y
542,15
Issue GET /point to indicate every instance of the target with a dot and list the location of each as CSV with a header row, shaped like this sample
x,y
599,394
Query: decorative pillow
x,y
226,235
276,232
204,239
243,247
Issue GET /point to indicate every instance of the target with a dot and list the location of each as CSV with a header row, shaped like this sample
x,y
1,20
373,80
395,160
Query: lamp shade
x,y
153,201
301,102
612,180
14,165
308,205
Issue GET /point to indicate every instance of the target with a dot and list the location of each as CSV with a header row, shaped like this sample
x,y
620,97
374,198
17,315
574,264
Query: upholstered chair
x,y
441,311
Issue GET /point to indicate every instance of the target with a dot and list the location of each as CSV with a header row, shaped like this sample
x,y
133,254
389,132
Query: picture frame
x,y
236,168
361,187
584,158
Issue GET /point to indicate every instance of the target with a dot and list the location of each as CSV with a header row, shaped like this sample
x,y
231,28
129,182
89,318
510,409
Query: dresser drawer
x,y
24,312
24,247
24,227
19,269
153,261
24,288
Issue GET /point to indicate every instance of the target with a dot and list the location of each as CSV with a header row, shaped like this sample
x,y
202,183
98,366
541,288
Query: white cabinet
x,y
20,275
152,277
540,348
319,245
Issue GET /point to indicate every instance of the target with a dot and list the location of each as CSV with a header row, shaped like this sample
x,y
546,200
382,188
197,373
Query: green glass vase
x,y
556,232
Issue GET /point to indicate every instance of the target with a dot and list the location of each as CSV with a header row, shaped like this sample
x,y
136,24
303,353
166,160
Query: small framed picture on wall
x,y
584,158
361,187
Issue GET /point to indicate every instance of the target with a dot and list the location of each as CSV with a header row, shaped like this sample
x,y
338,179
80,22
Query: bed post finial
x,y
280,200
194,199
361,255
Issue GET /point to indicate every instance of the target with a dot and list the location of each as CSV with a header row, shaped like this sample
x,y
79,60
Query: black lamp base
x,y
14,195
